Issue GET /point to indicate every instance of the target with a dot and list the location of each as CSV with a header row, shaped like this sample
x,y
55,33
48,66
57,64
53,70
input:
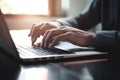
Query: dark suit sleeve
x,y
108,40
86,20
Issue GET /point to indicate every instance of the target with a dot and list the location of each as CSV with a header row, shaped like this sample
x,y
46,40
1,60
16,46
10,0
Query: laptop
x,y
24,52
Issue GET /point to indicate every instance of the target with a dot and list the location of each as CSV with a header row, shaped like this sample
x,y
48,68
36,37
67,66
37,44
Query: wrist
x,y
92,38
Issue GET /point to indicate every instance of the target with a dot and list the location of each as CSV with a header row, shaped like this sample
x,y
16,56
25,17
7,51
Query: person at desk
x,y
76,29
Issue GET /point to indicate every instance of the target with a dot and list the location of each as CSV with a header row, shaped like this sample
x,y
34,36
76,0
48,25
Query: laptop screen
x,y
6,42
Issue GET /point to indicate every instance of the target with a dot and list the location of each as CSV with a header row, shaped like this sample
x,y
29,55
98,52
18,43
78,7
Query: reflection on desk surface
x,y
99,70
47,72
96,70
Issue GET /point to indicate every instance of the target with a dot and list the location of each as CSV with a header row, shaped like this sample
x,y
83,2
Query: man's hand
x,y
41,28
79,37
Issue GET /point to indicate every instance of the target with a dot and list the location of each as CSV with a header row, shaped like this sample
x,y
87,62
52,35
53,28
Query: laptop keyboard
x,y
32,50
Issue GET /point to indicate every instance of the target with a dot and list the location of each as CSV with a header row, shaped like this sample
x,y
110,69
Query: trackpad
x,y
67,46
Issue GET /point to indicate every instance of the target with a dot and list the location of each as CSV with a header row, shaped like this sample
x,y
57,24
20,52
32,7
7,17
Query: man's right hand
x,y
41,28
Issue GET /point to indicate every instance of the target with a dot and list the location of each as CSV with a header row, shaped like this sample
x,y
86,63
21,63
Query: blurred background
x,y
21,14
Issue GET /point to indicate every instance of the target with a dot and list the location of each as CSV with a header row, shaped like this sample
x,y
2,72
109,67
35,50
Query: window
x,y
34,7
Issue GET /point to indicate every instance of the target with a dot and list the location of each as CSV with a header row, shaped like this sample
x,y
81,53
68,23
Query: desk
x,y
9,70
96,70
103,70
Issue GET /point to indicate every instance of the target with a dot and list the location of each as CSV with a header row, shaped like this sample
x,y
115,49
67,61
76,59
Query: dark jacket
x,y
106,12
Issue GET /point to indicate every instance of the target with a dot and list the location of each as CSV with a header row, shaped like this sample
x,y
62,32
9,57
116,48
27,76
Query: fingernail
x,y
28,34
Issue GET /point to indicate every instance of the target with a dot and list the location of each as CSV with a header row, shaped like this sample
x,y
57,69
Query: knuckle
x,y
47,31
35,27
69,34
46,24
53,31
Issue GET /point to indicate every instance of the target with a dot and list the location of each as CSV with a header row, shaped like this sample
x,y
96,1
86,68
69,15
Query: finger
x,y
36,29
57,39
38,41
31,30
51,35
48,34
35,32
46,27
34,26
42,31
34,36
33,39
37,44
43,40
